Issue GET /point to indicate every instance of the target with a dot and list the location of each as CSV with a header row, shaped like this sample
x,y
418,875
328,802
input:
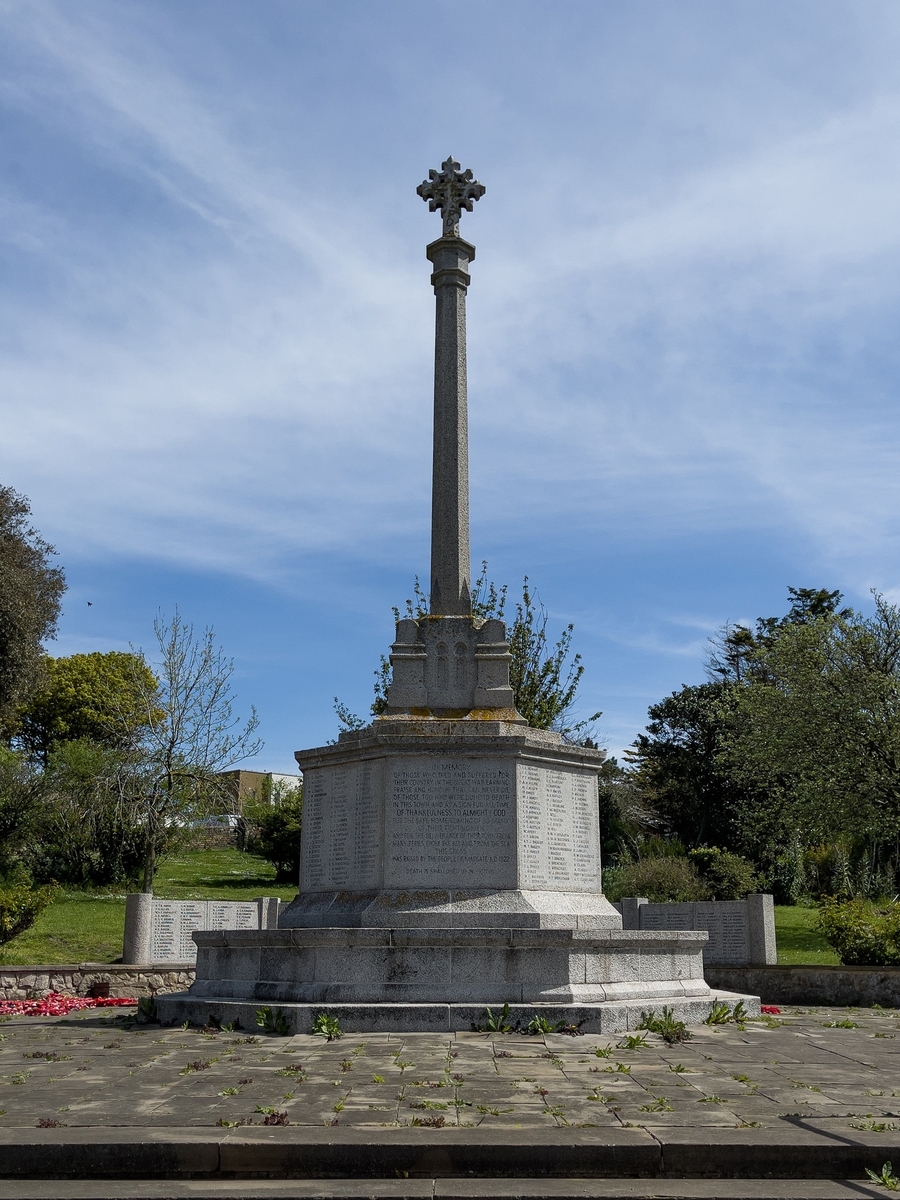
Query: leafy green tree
x,y
627,820
31,590
679,769
21,799
98,697
737,651
275,830
697,764
818,725
88,831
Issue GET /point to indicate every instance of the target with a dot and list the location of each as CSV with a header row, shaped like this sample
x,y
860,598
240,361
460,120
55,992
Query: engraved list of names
x,y
559,835
450,823
340,841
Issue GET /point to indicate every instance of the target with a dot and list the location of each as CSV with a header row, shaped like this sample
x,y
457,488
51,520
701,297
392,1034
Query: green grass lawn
x,y
89,926
798,939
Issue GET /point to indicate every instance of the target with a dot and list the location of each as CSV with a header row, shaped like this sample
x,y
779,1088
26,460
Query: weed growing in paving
x,y
874,1126
669,1028
632,1041
885,1177
489,1023
678,1068
292,1071
845,1024
199,1064
273,1021
604,1051
659,1104
327,1026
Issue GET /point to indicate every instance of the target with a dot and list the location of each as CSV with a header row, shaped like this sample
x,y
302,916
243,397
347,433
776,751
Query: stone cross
x,y
451,191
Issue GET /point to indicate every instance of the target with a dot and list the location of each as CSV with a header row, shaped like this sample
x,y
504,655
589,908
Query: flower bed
x,y
56,1005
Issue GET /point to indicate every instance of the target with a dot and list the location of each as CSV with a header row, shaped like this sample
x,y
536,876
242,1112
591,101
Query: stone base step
x,y
445,1189
524,1161
613,1016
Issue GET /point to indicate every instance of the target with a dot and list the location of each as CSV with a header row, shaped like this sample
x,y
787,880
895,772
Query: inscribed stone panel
x,y
729,932
450,823
193,916
341,840
232,914
725,921
668,916
165,931
559,837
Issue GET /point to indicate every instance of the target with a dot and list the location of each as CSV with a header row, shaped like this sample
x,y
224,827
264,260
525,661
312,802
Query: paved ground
x,y
100,1070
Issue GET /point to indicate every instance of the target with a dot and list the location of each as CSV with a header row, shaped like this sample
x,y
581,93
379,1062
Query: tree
x,y
188,734
544,677
31,590
89,830
21,798
735,651
678,765
688,762
98,697
818,725
626,817
274,831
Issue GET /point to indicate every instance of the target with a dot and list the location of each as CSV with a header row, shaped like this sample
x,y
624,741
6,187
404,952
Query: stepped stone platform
x,y
440,980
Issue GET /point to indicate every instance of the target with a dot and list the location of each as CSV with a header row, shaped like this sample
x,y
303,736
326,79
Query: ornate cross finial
x,y
450,190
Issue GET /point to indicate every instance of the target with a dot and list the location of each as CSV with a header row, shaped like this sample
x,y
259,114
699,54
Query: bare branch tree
x,y
190,734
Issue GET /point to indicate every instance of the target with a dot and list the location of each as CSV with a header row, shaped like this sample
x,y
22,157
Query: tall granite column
x,y
450,569
450,190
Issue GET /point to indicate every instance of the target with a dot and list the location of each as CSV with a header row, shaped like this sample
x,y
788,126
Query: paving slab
x,y
812,1092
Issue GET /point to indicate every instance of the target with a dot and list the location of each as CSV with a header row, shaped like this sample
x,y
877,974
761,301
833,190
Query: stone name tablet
x,y
342,835
741,932
559,835
159,931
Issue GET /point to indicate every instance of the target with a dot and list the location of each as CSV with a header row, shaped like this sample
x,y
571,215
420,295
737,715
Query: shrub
x,y
20,907
273,832
726,875
659,879
88,832
21,797
863,933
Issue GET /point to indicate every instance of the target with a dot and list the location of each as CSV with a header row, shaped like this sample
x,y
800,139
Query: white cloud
x,y
260,361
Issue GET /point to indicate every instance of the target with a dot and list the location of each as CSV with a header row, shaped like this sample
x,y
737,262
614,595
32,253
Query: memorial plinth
x,y
450,823
450,853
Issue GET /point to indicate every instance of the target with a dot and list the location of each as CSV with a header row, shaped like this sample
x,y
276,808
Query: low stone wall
x,y
24,983
859,986
862,986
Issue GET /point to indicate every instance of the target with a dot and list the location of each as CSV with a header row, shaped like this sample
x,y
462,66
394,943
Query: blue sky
x,y
216,320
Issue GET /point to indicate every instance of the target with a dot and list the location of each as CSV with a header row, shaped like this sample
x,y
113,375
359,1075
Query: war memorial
x,y
451,853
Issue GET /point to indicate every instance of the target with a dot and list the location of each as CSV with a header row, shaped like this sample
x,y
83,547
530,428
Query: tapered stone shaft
x,y
450,568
